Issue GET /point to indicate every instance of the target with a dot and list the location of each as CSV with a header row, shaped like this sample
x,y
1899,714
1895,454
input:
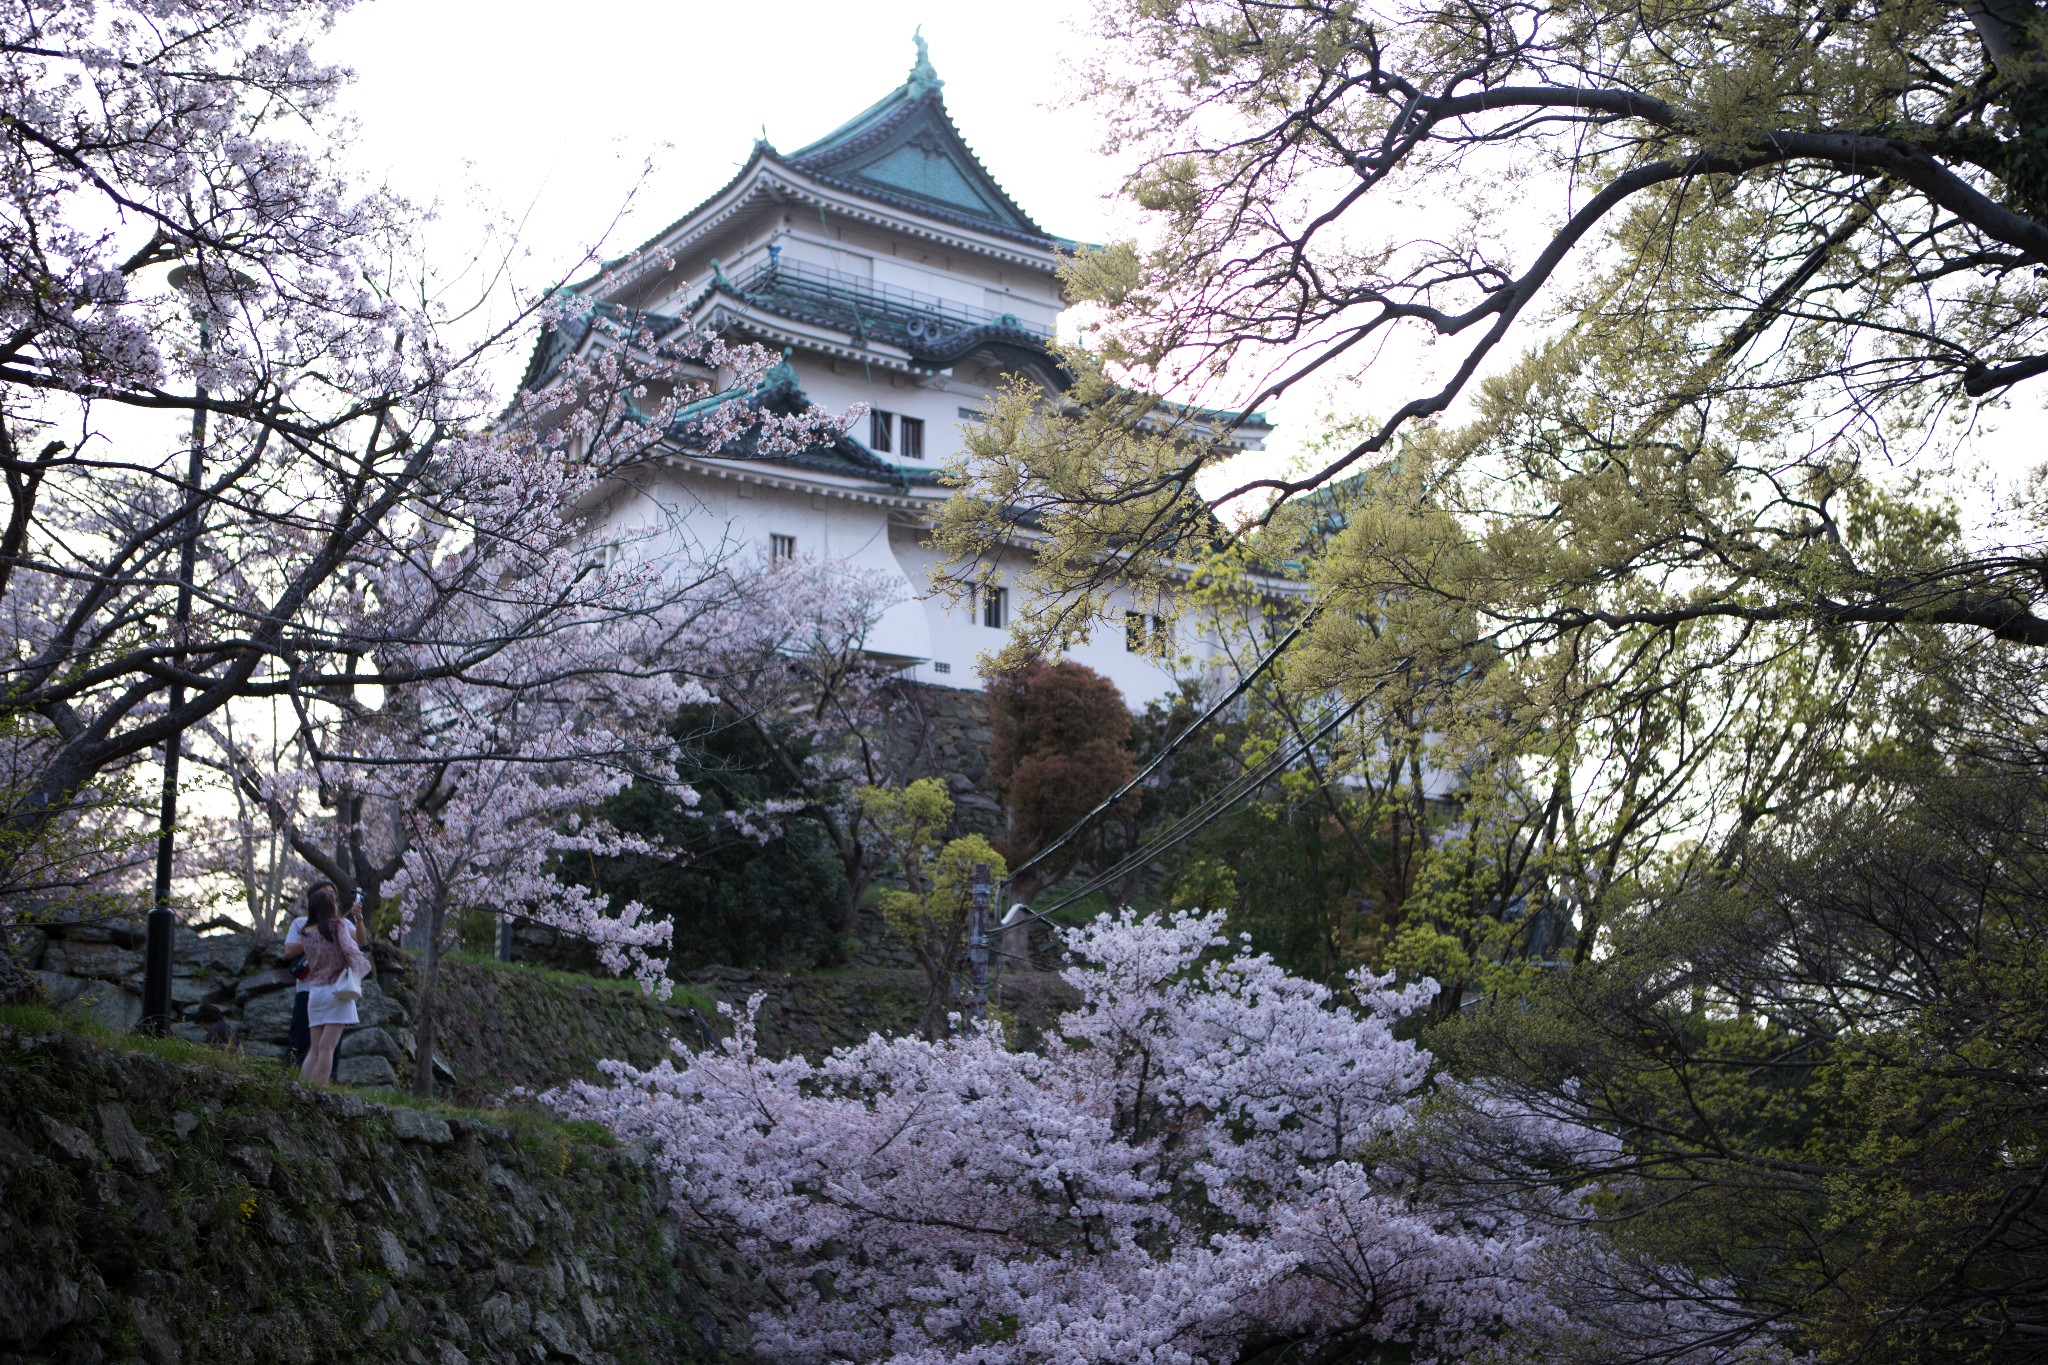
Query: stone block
x,y
391,1252
387,1310
369,1042
189,991
100,961
283,1233
227,954
365,1070
416,1125
70,1141
256,1161
124,1144
264,982
35,1302
377,1009
61,989
159,1343
506,1318
268,1017
558,1339
119,1009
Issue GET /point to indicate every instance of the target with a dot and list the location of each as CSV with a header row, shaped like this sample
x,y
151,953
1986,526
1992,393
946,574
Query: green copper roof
x,y
905,148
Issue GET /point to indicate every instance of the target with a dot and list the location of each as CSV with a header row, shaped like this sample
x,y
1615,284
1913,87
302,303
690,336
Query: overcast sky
x,y
550,110
548,113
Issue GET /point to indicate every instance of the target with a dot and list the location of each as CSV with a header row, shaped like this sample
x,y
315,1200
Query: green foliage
x,y
1742,860
766,898
930,910
1285,870
1824,1062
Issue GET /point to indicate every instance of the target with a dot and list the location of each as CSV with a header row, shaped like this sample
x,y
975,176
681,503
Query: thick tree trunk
x,y
2002,27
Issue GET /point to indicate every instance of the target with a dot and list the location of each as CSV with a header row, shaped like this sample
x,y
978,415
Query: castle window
x,y
942,668
1142,634
881,425
995,607
913,438
781,547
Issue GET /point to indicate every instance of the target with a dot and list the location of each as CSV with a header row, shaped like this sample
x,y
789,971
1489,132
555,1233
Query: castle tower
x,y
893,270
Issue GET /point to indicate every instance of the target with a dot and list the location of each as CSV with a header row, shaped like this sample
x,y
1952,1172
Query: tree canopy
x,y
1662,341
1648,300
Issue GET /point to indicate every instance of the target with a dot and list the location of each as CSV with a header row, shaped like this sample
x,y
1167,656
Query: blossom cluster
x,y
1209,1158
375,546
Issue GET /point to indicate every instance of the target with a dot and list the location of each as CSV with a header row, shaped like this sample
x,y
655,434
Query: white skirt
x,y
323,1008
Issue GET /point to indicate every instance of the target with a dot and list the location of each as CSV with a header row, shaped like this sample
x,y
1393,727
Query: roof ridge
x,y
873,127
920,94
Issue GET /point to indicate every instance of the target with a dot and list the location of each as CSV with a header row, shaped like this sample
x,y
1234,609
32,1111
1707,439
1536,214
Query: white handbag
x,y
349,985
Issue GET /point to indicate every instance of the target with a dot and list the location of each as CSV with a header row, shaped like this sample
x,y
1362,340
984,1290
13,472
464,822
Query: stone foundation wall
x,y
95,968
956,748
166,1212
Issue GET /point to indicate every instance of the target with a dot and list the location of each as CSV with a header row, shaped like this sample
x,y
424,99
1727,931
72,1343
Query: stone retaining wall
x,y
168,1212
95,968
956,748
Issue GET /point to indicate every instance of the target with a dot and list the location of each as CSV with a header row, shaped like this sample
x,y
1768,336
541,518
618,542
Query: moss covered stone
x,y
160,1205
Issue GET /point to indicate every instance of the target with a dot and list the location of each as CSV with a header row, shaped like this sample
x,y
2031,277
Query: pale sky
x,y
547,114
551,110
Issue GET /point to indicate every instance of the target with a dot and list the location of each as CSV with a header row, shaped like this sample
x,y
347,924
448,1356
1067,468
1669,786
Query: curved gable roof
x,y
905,148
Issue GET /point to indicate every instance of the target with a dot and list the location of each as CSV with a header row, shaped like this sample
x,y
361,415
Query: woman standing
x,y
329,942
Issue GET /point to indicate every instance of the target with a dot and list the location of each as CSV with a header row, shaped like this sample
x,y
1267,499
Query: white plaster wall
x,y
836,387
899,274
698,517
959,638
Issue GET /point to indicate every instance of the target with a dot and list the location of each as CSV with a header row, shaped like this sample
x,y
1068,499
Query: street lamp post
x,y
156,957
977,946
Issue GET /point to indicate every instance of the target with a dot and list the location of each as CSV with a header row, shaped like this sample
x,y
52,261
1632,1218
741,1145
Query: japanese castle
x,y
892,270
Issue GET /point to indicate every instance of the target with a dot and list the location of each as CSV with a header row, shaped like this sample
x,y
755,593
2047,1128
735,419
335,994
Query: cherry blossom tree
x,y
354,513
478,791
468,793
1210,1160
786,656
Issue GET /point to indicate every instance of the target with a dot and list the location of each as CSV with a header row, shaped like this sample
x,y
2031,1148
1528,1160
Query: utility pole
x,y
977,947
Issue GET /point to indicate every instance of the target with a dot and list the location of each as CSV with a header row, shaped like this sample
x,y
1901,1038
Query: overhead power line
x,y
1194,821
1074,830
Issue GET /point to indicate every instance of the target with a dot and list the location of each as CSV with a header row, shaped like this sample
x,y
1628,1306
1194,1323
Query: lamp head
x,y
186,280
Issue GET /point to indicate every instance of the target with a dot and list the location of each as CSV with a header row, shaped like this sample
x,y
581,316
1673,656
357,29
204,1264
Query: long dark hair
x,y
323,908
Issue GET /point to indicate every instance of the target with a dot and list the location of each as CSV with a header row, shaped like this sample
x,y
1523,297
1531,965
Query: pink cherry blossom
x,y
1209,1158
